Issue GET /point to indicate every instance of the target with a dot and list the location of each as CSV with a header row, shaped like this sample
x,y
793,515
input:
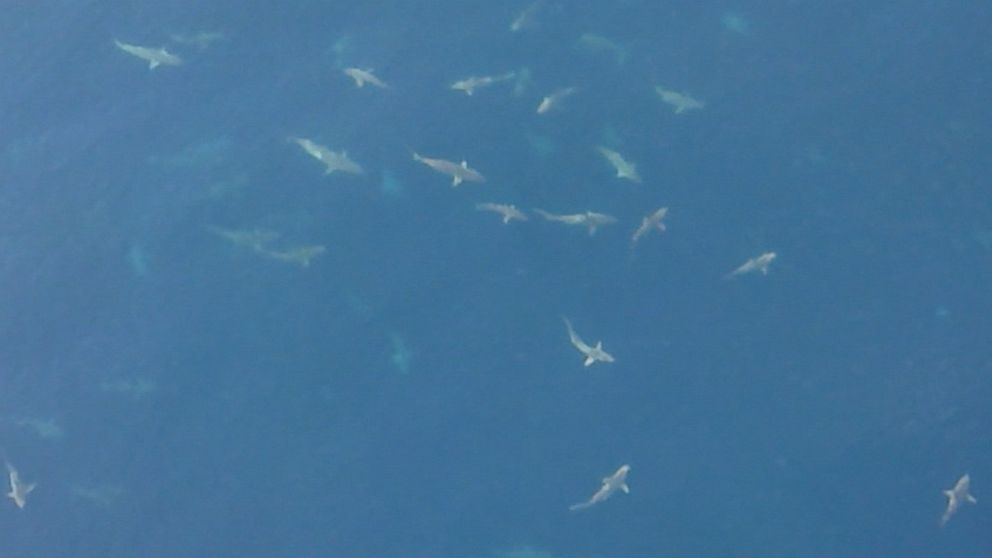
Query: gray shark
x,y
469,85
155,56
459,172
333,160
362,77
653,221
680,102
200,40
256,239
300,255
592,354
590,219
509,212
758,263
527,18
624,168
957,496
611,484
554,100
18,489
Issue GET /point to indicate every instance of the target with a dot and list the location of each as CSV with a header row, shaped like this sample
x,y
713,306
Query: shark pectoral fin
x,y
971,499
30,488
589,361
625,488
152,64
456,181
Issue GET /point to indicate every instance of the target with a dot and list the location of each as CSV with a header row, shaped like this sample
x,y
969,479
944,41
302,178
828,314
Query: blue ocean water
x,y
412,391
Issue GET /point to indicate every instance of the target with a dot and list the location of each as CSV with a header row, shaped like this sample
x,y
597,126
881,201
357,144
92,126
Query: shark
x,y
48,429
136,389
469,85
596,43
527,18
18,489
957,496
401,355
103,496
611,484
590,219
362,77
592,354
649,223
300,255
256,239
200,40
624,168
459,172
555,99
509,212
681,102
333,160
154,56
757,263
